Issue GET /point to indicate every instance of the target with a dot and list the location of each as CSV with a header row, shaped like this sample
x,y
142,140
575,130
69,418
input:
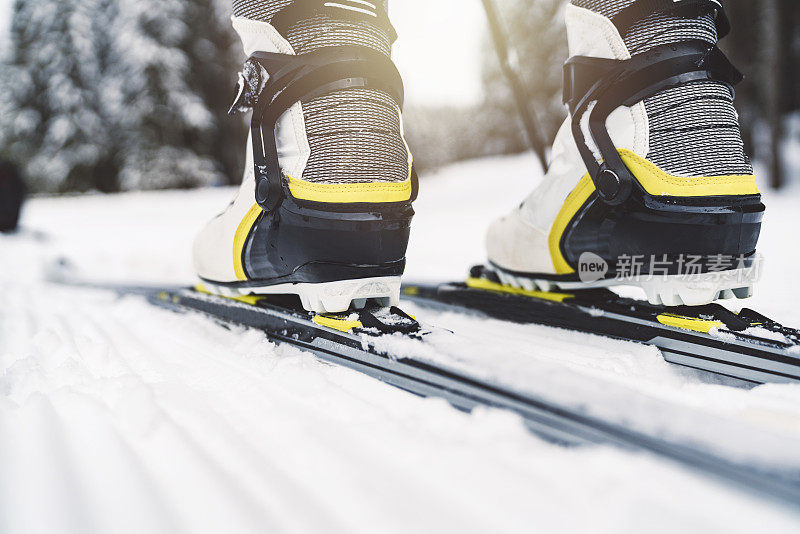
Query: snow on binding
x,y
354,340
744,345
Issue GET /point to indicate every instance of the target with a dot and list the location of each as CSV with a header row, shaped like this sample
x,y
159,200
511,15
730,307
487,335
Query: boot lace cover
x,y
355,135
694,129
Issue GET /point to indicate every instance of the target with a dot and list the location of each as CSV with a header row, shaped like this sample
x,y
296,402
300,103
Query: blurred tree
x,y
171,128
739,46
215,55
765,45
441,135
12,194
121,94
538,47
537,37
53,124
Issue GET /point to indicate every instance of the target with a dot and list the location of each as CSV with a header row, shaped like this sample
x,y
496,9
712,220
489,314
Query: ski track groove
x,y
635,367
49,438
151,506
155,507
88,372
377,462
118,337
243,500
312,412
367,455
245,497
137,468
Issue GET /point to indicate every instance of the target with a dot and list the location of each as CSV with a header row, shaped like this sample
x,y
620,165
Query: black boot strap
x,y
610,84
294,78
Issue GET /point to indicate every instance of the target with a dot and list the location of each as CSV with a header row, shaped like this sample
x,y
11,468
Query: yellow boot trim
x,y
341,324
688,323
372,192
656,182
488,285
574,201
240,238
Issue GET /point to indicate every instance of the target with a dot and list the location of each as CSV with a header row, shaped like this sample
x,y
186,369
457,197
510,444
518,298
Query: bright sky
x,y
437,51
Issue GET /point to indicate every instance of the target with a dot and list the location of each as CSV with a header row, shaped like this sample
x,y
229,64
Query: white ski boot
x,y
324,208
669,204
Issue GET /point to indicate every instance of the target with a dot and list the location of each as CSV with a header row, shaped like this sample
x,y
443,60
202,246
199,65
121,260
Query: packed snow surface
x,y
119,417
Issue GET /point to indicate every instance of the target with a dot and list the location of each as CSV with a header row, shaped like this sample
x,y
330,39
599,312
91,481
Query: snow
x,y
118,417
423,42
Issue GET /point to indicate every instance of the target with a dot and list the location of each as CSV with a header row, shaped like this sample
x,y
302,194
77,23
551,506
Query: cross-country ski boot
x,y
324,208
669,202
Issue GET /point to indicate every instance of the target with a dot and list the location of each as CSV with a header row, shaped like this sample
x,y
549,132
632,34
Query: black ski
x,y
746,345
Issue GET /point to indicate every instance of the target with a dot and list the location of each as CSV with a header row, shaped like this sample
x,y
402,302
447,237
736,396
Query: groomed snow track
x,y
550,420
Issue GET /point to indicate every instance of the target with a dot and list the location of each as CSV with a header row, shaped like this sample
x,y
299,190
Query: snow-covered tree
x,y
110,94
53,123
215,56
159,106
